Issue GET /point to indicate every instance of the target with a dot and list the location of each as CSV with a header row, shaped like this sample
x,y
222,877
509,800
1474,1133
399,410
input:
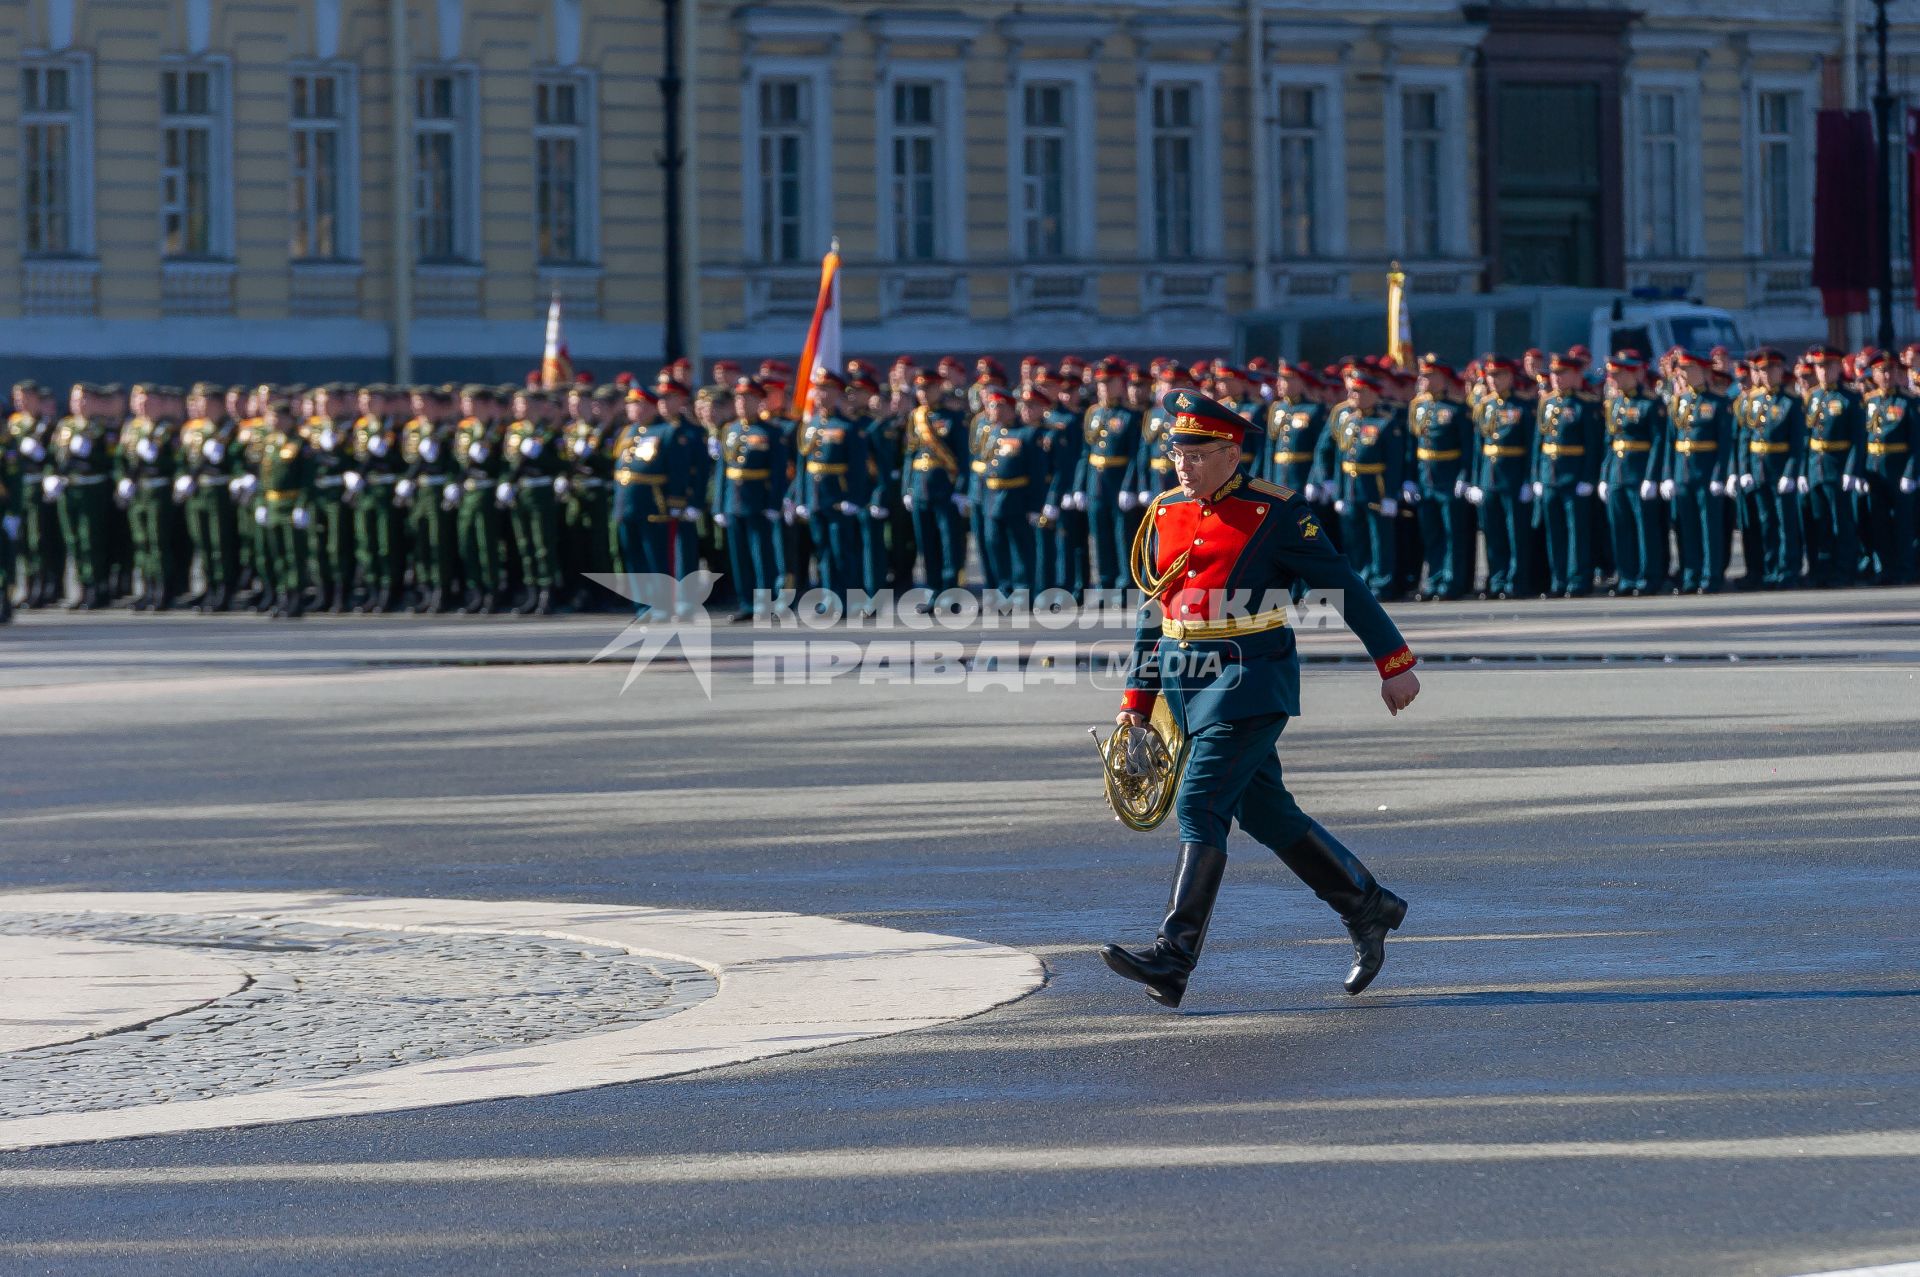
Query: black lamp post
x,y
1883,208
672,161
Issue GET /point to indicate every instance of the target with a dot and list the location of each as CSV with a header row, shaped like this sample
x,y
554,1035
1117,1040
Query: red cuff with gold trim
x,y
1138,700
1398,661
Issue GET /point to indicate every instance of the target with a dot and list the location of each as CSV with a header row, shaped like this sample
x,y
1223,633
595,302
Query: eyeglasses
x,y
1188,456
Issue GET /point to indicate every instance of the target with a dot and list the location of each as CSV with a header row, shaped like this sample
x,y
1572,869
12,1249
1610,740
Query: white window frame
x,y
346,79
1208,213
1689,200
584,132
78,119
1077,231
1808,87
1451,84
464,128
1330,160
219,125
950,199
817,211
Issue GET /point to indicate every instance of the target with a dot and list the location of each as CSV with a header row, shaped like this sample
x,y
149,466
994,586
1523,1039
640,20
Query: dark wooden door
x,y
1547,178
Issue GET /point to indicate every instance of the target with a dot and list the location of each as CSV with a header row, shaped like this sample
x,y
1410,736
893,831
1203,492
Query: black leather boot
x,y
473,605
1164,968
1368,909
543,604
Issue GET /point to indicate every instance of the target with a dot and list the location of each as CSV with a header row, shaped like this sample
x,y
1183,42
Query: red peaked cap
x,y
1198,419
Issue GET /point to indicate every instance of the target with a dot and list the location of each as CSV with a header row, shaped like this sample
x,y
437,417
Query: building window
x,y
319,133
1300,142
442,220
561,170
785,119
1422,137
1778,138
51,132
1176,157
916,171
190,117
1659,232
1046,118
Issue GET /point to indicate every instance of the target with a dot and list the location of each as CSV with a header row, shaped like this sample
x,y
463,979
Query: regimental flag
x,y
823,334
556,367
1399,323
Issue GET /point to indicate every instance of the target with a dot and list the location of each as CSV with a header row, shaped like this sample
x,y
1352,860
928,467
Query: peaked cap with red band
x,y
1198,419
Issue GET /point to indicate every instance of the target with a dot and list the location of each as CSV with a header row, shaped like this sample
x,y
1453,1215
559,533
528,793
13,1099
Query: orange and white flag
x,y
556,368
823,334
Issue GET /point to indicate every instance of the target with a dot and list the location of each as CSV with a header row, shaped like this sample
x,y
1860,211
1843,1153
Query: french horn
x,y
1141,767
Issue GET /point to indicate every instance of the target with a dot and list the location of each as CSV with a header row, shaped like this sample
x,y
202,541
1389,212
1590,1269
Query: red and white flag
x,y
823,334
556,368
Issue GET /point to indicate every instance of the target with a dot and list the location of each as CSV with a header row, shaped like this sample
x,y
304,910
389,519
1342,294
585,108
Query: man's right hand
x,y
1129,718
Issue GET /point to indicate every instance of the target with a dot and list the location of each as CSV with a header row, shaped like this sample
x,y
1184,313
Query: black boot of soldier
x,y
543,605
473,606
1165,966
6,602
1369,910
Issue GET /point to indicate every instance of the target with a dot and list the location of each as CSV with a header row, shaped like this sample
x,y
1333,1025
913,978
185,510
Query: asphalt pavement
x,y
1656,1007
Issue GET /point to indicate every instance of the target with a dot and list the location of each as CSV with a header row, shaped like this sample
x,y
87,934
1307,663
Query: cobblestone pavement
x,y
329,1002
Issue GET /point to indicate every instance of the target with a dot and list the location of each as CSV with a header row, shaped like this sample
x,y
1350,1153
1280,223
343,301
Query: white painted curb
x,y
787,982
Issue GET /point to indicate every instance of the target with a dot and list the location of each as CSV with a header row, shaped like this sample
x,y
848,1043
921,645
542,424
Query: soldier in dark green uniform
x,y
1060,561
533,460
753,484
374,449
427,453
288,470
12,503
250,442
1368,440
1693,475
832,484
80,464
1009,491
653,480
144,465
41,547
1891,474
1636,427
1440,429
208,464
1501,486
588,444
938,472
1105,487
329,431
477,469
1835,429
1566,467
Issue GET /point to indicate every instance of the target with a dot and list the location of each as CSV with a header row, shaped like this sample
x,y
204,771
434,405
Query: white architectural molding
x,y
59,25
566,32
947,29
1021,30
1156,35
782,22
450,21
326,29
199,25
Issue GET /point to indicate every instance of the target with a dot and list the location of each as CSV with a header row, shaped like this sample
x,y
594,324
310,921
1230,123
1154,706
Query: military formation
x,y
1564,478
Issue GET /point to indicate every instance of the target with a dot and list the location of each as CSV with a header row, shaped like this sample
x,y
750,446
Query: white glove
x,y
1145,498
1649,490
429,449
301,517
1604,489
123,491
1389,507
377,445
1526,492
403,491
1785,486
1583,489
450,496
848,508
1080,501
32,448
1033,519
1050,512
802,512
1339,507
1717,488
582,447
713,448
260,515
1311,492
1539,489
1850,484
719,520
80,446
561,487
1125,501
241,486
961,502
11,526
52,486
530,447
787,510
183,487
1476,494
328,440
476,452
1410,491
1460,486
1666,489
906,499
352,482
1801,484
877,512
1908,485
773,516
147,450
214,450
691,514
503,494
1746,483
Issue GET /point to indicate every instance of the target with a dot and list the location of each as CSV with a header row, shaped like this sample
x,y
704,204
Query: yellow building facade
x,y
210,184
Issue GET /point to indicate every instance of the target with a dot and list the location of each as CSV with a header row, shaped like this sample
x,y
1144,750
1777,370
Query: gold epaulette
x,y
1276,490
